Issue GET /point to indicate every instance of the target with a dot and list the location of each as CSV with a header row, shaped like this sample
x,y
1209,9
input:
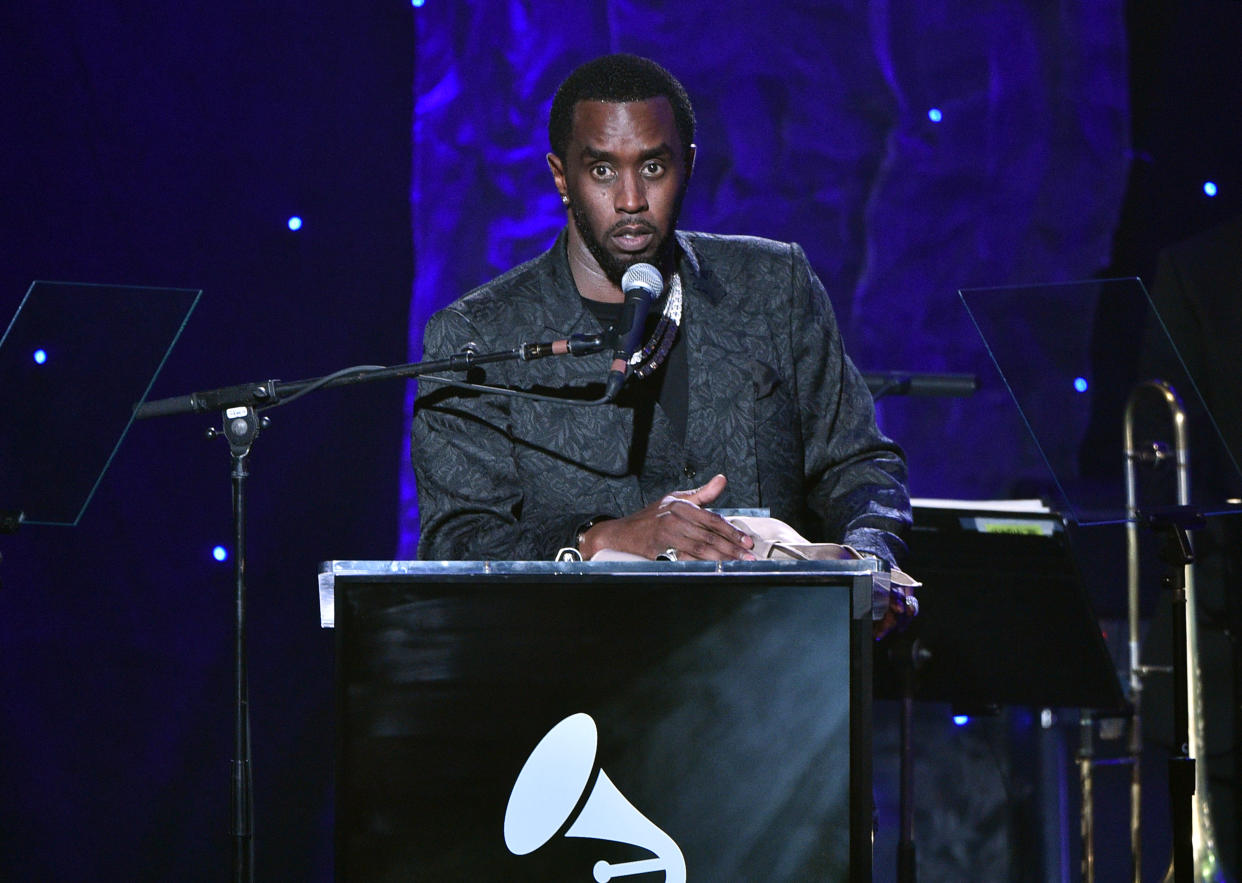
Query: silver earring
x,y
564,200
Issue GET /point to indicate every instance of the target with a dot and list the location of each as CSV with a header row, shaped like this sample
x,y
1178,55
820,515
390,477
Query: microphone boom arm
x,y
269,393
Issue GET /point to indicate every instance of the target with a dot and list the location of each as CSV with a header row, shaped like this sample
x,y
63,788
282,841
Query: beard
x,y
614,265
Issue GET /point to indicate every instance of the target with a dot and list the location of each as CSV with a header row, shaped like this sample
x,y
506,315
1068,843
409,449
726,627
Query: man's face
x,y
625,176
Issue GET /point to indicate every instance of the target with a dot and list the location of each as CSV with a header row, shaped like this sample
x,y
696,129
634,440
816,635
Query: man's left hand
x,y
903,606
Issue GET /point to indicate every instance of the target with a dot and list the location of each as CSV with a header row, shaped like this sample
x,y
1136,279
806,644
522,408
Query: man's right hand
x,y
675,523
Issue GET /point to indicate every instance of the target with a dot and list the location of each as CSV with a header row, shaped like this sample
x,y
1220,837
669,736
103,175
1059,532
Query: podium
x,y
579,721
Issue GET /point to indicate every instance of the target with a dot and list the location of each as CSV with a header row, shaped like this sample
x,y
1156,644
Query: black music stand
x,y
1004,620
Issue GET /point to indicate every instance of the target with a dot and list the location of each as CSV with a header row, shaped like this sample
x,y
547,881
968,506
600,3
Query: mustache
x,y
631,226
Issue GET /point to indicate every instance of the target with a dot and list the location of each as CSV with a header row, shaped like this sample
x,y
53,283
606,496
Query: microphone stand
x,y
906,653
241,427
1172,526
269,393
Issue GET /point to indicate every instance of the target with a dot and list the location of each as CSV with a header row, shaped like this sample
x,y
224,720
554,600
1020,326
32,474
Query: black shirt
x,y
667,387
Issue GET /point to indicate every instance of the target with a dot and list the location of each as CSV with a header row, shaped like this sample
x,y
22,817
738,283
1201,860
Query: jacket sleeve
x,y
470,495
855,477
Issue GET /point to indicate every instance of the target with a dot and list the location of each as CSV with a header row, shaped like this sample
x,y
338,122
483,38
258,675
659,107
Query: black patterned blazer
x,y
774,404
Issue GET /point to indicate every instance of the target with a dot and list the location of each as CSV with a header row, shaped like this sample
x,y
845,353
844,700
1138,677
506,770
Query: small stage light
x,y
1080,384
1209,187
961,720
40,356
220,553
295,223
935,115
417,3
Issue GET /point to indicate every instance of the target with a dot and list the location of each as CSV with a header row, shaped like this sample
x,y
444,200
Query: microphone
x,y
642,284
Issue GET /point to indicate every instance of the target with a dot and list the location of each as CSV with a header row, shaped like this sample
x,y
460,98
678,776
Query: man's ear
x,y
558,173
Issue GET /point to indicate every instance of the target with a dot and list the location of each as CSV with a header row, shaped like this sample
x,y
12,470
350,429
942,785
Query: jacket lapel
x,y
720,422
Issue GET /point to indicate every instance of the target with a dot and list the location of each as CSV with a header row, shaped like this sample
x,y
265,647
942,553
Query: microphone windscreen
x,y
644,277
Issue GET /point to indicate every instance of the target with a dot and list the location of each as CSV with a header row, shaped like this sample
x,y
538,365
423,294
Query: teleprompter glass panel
x,y
74,362
1071,355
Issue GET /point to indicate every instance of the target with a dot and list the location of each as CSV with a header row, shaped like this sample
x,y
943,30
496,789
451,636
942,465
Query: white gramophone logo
x,y
553,780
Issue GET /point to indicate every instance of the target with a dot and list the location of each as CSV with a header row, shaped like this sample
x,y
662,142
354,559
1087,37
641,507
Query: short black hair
x,y
618,79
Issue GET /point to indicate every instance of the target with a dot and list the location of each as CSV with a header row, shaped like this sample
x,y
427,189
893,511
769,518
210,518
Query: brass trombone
x,y
1206,862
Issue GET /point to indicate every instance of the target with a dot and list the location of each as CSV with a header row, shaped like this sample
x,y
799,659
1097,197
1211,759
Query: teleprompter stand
x,y
1039,335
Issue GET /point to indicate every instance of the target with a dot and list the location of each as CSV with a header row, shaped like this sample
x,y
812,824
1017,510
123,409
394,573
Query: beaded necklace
x,y
653,354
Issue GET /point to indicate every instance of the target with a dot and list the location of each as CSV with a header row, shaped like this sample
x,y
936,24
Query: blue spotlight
x,y
417,3
295,223
961,720
1209,187
40,356
935,115
1080,384
220,553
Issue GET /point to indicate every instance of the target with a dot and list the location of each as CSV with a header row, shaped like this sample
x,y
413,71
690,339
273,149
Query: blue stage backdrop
x,y
912,148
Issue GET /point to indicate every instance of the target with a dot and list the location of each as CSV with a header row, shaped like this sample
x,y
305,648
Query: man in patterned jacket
x,y
754,404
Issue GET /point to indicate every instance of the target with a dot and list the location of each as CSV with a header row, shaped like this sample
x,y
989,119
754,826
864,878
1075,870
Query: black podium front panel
x,y
653,722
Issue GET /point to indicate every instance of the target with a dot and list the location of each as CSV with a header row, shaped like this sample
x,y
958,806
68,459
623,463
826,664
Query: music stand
x,y
73,361
1004,619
